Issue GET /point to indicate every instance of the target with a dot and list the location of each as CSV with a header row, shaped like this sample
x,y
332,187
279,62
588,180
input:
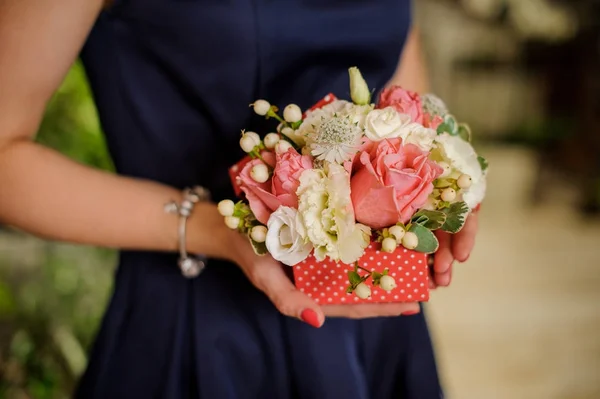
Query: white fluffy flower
x,y
433,105
461,156
336,140
286,237
386,123
326,209
314,118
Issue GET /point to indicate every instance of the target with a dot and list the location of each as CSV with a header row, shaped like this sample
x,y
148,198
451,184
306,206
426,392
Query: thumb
x,y
270,278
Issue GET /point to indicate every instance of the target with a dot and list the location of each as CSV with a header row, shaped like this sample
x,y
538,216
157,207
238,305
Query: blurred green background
x,y
52,295
487,59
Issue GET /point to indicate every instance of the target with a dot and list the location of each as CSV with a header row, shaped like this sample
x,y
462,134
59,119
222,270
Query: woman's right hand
x,y
269,276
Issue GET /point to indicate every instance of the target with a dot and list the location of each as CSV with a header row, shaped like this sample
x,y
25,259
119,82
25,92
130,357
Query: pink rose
x,y
404,101
432,122
391,182
265,198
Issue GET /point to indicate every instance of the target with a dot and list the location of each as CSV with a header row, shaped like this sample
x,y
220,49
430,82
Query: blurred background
x,y
522,319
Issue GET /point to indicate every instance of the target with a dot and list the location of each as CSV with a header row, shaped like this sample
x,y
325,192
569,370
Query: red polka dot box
x,y
326,281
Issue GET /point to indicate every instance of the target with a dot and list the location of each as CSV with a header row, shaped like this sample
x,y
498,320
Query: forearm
x,y
49,195
412,73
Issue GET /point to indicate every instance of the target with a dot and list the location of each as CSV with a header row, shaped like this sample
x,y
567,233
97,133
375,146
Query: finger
x,y
363,311
269,277
431,273
443,279
464,241
443,258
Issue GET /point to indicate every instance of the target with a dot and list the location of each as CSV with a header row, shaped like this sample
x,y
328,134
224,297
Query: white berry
x,y
362,291
270,140
431,204
261,107
259,173
258,233
448,195
464,181
446,167
226,207
248,141
292,113
387,283
398,232
232,222
282,147
410,240
388,245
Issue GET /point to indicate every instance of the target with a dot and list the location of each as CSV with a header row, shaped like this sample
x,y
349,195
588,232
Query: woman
x,y
172,80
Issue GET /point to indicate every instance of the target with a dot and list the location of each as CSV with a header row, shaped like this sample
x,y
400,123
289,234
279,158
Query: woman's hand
x,y
453,247
270,277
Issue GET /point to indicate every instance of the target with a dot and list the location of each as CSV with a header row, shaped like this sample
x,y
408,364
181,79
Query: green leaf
x,y
354,278
260,248
483,163
428,243
419,218
464,131
350,289
433,219
456,216
376,278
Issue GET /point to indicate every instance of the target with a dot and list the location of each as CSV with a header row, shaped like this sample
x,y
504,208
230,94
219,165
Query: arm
x,y
48,194
412,72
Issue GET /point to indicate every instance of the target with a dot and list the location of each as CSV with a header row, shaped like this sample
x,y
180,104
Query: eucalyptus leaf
x,y
464,131
456,216
428,242
433,219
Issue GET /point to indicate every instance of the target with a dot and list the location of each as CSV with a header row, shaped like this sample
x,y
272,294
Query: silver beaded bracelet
x,y
191,265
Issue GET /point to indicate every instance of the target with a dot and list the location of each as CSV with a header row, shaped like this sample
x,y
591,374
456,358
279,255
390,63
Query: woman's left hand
x,y
453,247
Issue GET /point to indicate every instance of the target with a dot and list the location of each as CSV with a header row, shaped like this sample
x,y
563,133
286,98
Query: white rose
x,y
462,157
286,237
326,209
420,136
386,123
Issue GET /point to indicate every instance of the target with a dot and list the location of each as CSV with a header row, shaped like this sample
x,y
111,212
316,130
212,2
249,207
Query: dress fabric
x,y
172,81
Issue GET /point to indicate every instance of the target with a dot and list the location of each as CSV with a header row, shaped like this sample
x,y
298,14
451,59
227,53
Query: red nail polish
x,y
410,313
311,317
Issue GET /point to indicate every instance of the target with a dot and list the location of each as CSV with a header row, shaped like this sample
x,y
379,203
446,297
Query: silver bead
x,y
186,204
171,207
191,267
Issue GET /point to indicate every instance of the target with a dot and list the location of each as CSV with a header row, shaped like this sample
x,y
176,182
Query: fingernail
x,y
410,313
310,317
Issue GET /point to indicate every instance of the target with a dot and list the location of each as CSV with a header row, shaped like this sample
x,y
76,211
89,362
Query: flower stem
x,y
272,114
362,268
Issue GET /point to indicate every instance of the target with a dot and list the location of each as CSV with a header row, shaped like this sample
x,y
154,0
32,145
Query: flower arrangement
x,y
347,179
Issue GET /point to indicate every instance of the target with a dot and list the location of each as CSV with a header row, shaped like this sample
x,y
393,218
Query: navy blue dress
x,y
173,80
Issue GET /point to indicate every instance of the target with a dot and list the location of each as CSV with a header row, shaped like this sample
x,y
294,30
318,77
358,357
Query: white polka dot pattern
x,y
409,268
